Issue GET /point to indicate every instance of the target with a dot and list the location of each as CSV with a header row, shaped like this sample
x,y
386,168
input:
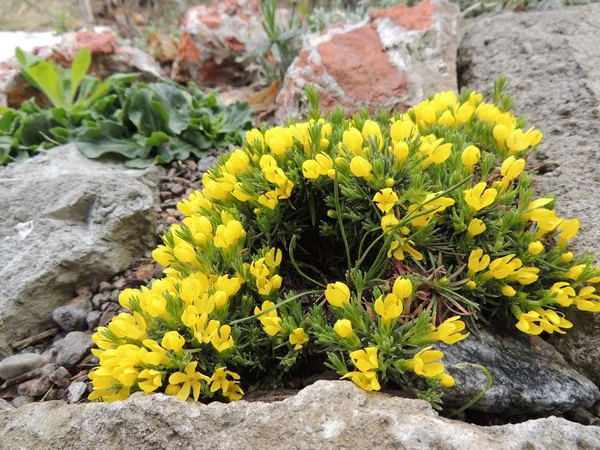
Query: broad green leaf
x,y
8,122
147,115
177,102
106,137
79,69
36,128
49,80
237,117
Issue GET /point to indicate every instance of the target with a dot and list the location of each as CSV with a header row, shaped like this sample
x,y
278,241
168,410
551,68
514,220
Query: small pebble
x,y
73,348
166,195
61,377
93,318
145,272
120,284
178,190
73,315
21,401
97,300
105,286
16,365
76,391
84,291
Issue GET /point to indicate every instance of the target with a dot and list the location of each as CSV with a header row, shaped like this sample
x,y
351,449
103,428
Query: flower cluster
x,y
403,227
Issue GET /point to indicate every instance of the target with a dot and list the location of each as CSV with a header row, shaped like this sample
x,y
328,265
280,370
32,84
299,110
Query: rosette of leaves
x,y
144,124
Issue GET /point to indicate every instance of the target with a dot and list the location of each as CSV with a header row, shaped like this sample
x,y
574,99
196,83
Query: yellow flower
x,y
388,308
568,230
567,257
397,249
364,380
586,300
565,294
448,331
511,168
311,169
385,199
298,338
272,325
517,141
189,290
476,227
365,360
372,132
219,380
424,363
163,255
388,222
353,139
535,248
464,113
360,167
343,328
446,118
402,129
436,153
478,261
254,135
508,291
185,252
172,340
228,235
479,197
222,339
149,380
337,294
501,133
183,383
470,156
401,150
502,267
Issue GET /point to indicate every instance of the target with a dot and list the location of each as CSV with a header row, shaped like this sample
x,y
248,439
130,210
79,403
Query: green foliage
x,y
144,124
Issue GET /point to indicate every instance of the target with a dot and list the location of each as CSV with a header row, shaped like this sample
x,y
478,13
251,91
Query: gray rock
x,y
325,415
529,375
73,315
76,391
393,59
60,377
81,220
34,388
560,93
5,406
92,319
16,365
73,348
22,401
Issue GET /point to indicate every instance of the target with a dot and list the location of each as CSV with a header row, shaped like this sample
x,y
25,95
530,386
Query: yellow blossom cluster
x,y
366,239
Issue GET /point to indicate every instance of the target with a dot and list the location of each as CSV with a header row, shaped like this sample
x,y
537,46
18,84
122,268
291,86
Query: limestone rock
x,y
73,348
529,375
393,59
326,415
213,37
108,57
552,62
16,365
66,221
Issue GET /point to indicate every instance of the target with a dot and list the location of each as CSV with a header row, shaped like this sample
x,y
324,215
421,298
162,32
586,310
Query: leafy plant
x,y
145,124
354,242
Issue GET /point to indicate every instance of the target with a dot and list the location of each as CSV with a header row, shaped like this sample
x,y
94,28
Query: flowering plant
x,y
404,225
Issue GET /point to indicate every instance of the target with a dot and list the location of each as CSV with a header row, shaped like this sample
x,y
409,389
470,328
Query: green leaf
x,y
48,79
177,102
36,128
9,122
238,116
96,139
147,115
79,69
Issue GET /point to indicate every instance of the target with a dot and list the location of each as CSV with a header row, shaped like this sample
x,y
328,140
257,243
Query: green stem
x,y
294,297
338,210
302,274
478,396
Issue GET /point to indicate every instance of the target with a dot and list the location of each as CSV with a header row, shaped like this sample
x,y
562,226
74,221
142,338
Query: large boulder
x,y
529,377
552,61
108,57
393,59
326,415
66,221
214,41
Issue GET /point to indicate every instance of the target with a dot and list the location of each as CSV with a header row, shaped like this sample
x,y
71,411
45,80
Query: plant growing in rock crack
x,y
144,124
357,242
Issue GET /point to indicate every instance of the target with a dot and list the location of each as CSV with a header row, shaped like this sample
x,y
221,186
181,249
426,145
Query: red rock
x,y
392,60
145,272
98,43
187,49
419,17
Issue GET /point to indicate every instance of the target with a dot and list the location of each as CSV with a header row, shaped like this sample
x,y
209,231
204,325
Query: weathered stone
x,y
34,388
92,319
81,220
393,59
76,391
73,348
16,365
561,96
60,377
529,375
73,315
326,415
5,406
108,57
22,401
214,40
